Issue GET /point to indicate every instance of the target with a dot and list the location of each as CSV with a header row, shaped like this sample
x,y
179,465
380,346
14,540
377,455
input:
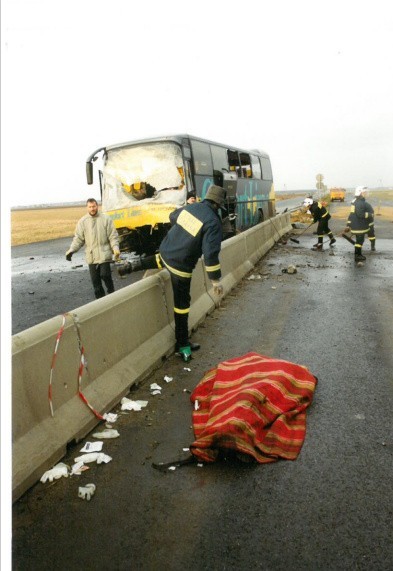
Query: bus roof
x,y
180,140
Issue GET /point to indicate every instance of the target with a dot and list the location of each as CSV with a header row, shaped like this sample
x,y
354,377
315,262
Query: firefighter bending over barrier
x,y
322,216
196,230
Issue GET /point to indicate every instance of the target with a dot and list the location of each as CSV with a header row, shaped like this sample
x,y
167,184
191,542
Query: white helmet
x,y
360,190
308,201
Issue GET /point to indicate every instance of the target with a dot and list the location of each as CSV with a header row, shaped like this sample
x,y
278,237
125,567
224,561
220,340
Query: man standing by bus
x,y
97,232
196,230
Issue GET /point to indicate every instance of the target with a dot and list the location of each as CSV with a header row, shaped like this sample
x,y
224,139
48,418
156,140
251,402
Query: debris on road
x,y
98,457
110,417
86,492
155,389
58,471
78,468
291,269
92,447
136,405
108,433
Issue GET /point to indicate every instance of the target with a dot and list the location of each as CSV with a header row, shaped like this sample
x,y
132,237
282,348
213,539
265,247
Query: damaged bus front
x,y
140,185
142,182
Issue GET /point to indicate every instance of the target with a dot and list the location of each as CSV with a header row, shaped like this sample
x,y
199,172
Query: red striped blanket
x,y
252,405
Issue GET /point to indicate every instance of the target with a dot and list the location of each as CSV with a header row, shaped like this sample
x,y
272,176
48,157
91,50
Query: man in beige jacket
x,y
97,232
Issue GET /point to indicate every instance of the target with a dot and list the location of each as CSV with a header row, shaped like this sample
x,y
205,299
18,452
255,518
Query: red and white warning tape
x,y
80,370
60,333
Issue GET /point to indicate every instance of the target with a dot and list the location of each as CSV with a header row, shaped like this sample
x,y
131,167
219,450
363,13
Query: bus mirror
x,y
89,172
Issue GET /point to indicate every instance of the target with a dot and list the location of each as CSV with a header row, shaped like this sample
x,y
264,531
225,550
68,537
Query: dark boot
x,y
373,246
332,241
359,256
318,246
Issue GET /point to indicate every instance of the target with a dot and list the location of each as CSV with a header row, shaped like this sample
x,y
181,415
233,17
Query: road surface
x,y
330,509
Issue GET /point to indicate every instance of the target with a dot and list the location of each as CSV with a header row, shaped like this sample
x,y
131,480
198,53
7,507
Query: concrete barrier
x,y
121,347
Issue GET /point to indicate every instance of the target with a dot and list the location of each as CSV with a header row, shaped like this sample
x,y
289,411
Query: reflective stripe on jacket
x,y
99,235
196,231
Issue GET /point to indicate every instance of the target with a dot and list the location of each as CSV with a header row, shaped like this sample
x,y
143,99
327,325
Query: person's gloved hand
x,y
116,254
217,287
55,473
86,492
69,255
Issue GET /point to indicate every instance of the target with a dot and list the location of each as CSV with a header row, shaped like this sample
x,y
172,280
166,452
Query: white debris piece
x,y
155,389
78,468
172,468
200,465
55,473
110,416
86,492
168,379
186,368
186,449
92,447
196,405
108,433
98,457
128,404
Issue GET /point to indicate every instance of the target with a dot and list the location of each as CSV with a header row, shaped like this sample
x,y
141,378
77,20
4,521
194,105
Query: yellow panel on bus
x,y
141,215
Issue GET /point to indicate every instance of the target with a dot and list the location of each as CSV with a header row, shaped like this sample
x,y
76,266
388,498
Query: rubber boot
x,y
359,256
373,246
332,241
318,246
185,353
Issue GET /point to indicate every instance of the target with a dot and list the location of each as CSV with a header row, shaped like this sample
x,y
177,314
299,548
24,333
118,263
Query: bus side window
x,y
234,162
266,169
220,163
202,158
246,165
256,167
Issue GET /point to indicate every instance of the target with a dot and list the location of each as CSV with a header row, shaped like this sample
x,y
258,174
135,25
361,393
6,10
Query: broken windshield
x,y
150,173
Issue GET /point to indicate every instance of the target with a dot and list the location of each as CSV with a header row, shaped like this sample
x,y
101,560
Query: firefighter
x,y
196,230
322,216
358,223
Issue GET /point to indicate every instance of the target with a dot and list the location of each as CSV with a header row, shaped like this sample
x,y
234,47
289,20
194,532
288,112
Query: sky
x,y
310,82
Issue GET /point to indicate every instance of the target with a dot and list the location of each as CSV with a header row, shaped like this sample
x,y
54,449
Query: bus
x,y
142,182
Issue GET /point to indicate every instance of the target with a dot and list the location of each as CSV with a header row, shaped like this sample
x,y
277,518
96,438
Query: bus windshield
x,y
149,173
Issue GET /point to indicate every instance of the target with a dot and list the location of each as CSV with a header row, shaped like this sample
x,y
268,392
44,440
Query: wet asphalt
x,y
330,509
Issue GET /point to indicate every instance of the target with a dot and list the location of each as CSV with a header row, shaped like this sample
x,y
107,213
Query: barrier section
x,y
123,336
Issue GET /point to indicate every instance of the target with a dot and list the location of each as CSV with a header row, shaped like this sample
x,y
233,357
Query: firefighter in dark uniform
x,y
322,216
196,230
358,222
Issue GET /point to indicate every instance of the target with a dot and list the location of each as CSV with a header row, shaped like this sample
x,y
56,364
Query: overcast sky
x,y
310,82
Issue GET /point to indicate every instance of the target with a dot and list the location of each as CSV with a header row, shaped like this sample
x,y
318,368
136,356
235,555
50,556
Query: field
x,y
37,225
